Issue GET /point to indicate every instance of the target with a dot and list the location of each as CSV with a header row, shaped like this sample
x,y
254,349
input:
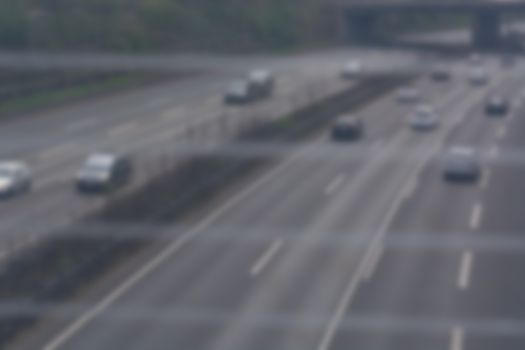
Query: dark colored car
x,y
497,106
461,164
440,74
347,129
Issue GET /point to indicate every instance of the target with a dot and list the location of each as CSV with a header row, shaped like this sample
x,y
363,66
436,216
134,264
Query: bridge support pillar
x,y
360,27
486,30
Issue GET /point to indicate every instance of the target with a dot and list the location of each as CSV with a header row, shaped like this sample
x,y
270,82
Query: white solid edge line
x,y
334,184
456,338
373,263
151,265
465,269
266,257
476,216
411,188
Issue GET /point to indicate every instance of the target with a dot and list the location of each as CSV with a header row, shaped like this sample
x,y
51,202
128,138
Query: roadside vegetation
x,y
171,25
160,25
25,91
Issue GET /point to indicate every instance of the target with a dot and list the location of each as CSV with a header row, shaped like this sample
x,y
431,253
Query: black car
x,y
347,129
498,106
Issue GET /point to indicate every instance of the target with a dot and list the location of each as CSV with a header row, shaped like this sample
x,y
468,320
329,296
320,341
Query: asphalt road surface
x,y
146,124
297,258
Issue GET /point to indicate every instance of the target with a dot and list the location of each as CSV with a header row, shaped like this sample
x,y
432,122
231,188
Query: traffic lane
x,y
154,100
504,187
111,110
63,173
60,163
322,291
497,293
200,122
476,130
421,283
127,133
137,111
221,280
510,87
404,287
334,280
53,217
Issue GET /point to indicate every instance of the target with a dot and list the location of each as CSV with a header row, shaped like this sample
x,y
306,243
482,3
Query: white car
x,y
462,163
408,95
262,83
478,76
352,70
239,92
424,118
15,178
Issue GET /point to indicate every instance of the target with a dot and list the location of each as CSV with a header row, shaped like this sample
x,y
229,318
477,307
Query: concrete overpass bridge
x,y
360,17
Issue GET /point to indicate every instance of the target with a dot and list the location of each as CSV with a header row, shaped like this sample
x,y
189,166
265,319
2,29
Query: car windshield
x,y
238,88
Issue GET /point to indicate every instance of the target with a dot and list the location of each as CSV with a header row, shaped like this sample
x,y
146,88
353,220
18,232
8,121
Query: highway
x,y
146,124
275,264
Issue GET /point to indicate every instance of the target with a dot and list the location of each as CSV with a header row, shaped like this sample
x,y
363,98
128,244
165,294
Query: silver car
x,y
352,70
462,163
15,178
478,76
424,118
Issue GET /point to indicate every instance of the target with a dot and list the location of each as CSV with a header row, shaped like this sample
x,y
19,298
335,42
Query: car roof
x,y
102,159
12,165
462,151
348,119
260,75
